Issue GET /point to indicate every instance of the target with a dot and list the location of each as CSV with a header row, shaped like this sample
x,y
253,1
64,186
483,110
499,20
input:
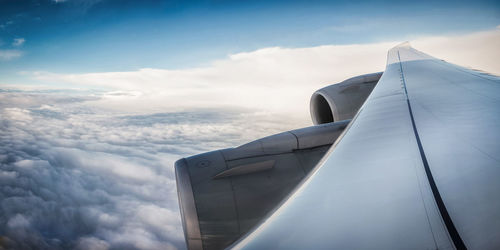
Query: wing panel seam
x,y
455,236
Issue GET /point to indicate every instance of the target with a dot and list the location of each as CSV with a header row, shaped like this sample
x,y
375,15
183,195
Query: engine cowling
x,y
224,193
342,101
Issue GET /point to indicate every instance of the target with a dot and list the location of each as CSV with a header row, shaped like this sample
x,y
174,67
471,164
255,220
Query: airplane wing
x,y
418,167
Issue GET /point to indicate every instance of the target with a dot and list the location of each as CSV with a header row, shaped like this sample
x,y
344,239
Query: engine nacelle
x,y
341,101
225,193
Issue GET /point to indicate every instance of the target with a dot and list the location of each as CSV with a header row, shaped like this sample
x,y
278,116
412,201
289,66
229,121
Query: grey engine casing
x,y
223,194
342,101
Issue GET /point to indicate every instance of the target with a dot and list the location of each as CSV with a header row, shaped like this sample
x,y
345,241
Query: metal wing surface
x,y
417,168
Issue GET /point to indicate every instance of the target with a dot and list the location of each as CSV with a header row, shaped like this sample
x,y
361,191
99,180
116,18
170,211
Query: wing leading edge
x,y
418,167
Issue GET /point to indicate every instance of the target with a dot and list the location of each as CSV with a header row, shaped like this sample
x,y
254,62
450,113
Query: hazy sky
x,y
98,98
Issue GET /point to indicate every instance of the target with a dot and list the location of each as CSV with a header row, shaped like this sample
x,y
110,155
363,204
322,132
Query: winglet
x,y
403,52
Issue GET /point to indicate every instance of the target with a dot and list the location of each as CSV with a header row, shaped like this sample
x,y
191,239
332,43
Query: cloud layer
x,y
277,79
76,177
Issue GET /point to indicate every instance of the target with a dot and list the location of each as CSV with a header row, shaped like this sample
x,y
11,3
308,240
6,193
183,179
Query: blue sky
x,y
78,36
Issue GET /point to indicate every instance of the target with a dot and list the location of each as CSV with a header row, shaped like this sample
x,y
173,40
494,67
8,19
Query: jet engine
x,y
342,101
223,194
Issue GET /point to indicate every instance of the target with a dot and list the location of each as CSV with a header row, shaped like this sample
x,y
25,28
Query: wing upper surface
x,y
372,189
457,113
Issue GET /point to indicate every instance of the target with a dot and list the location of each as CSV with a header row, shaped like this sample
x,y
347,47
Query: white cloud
x,y
85,243
478,50
17,114
9,54
276,79
75,176
273,79
18,42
